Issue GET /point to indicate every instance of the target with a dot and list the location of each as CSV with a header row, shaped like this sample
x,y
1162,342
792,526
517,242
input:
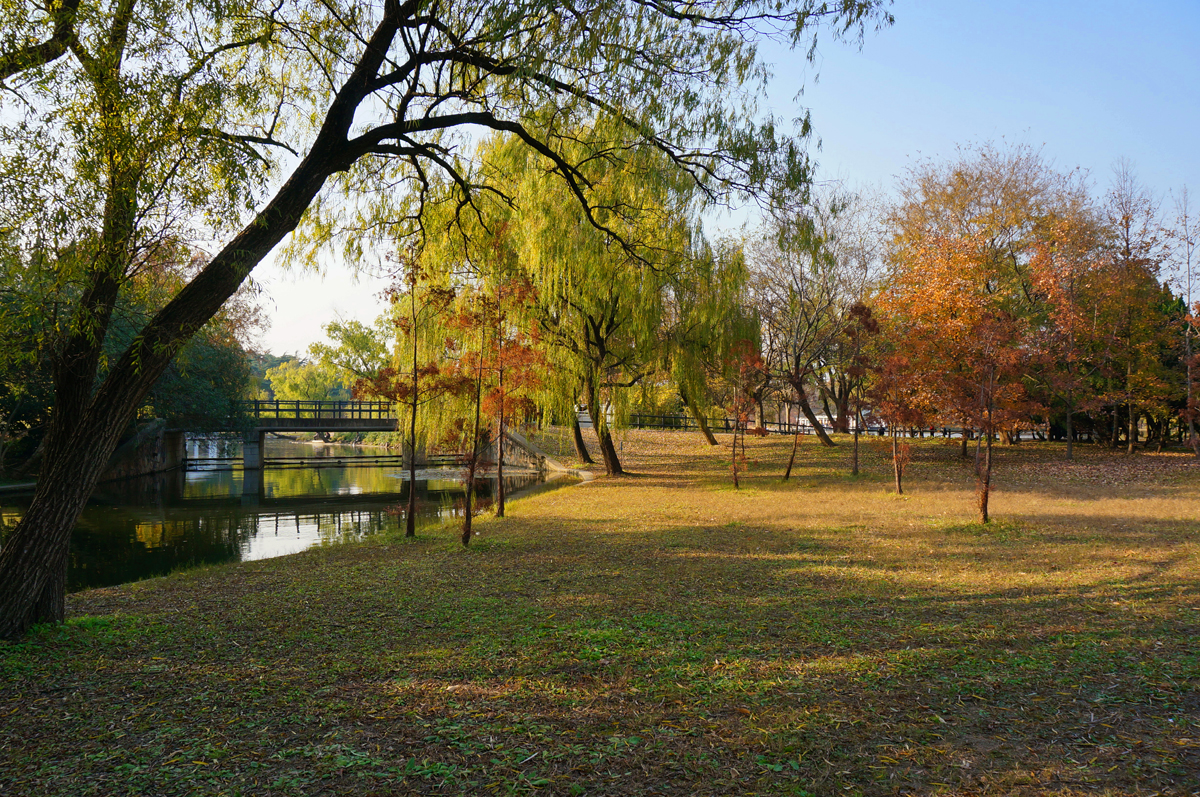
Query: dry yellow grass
x,y
663,633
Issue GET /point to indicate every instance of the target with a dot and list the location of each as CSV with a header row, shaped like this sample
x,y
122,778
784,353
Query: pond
x,y
149,526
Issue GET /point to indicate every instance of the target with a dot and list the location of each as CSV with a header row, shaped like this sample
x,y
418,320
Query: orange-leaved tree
x,y
958,344
417,377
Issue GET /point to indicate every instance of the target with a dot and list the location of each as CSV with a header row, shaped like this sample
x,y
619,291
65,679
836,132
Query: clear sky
x,y
1087,82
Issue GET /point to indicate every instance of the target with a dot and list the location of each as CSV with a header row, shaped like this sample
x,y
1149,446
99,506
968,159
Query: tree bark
x,y
854,454
985,482
33,562
608,452
1070,428
410,521
733,456
701,421
500,465
802,399
787,474
581,452
85,426
897,468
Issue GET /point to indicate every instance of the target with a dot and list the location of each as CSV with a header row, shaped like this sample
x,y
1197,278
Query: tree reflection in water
x,y
150,526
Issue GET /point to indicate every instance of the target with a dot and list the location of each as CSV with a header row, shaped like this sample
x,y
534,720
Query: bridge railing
x,y
278,409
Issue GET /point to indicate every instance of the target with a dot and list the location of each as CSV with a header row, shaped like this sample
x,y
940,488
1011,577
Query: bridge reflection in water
x,y
149,526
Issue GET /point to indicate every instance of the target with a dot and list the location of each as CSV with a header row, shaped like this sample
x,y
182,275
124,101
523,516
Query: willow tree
x,y
612,299
136,117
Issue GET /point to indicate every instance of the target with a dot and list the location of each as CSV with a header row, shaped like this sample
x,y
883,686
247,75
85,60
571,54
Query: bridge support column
x,y
252,486
252,449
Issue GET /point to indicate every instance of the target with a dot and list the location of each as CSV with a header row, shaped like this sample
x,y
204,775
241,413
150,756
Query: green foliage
x,y
357,350
307,381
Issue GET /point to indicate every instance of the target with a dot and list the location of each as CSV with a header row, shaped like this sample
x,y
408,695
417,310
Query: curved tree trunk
x,y
581,452
701,421
787,474
33,563
806,408
85,426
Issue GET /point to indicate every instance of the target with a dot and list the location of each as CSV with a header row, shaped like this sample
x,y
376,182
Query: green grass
x,y
662,633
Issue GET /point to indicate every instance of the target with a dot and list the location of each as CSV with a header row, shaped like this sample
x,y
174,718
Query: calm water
x,y
150,526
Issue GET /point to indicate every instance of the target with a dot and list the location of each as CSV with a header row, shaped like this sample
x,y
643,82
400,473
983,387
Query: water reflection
x,y
150,526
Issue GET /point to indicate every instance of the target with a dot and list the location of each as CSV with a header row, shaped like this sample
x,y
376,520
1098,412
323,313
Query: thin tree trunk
x,y
854,455
984,487
473,461
1132,433
500,460
897,468
1070,428
1193,439
733,459
410,522
792,459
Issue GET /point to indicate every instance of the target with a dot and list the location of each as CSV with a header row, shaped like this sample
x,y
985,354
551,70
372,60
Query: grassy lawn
x,y
662,633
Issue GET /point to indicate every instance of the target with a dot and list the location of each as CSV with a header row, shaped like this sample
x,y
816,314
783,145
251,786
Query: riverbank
x,y
662,633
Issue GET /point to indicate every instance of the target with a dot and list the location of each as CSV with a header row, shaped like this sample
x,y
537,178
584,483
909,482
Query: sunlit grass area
x,y
663,633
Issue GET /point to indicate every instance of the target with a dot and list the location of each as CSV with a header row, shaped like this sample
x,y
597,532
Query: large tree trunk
x,y
33,563
806,408
701,421
581,452
608,452
84,429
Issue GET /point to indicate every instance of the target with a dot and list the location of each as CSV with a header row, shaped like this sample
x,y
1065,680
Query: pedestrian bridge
x,y
258,418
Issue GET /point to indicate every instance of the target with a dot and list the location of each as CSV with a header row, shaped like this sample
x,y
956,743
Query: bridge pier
x,y
252,449
252,486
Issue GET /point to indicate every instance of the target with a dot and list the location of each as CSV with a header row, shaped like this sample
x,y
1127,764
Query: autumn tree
x,y
1133,307
963,351
415,376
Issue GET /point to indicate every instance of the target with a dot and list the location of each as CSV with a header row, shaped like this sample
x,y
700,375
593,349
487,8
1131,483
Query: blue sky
x,y
1087,82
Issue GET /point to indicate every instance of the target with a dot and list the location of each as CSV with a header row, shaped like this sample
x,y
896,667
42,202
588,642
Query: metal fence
x,y
685,422
317,410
